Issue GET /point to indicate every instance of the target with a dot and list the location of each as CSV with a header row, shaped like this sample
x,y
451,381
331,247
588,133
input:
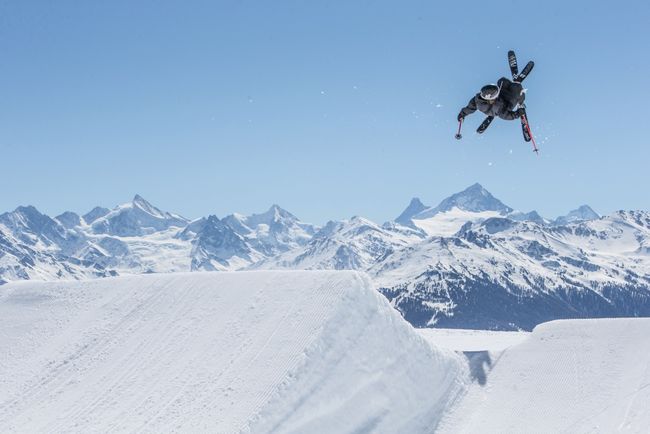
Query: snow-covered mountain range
x,y
470,261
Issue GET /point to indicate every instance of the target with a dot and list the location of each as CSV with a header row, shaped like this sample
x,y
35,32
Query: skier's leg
x,y
519,93
515,96
505,92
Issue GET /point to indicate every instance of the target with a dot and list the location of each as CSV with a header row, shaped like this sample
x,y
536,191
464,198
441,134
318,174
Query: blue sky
x,y
330,109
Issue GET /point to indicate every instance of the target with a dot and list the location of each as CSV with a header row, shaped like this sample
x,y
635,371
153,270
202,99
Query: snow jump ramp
x,y
568,376
286,352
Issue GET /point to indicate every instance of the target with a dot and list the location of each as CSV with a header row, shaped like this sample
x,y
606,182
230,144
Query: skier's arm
x,y
468,109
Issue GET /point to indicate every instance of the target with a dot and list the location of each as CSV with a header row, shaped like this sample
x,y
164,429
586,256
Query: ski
x,y
486,123
512,62
528,135
524,72
524,128
518,77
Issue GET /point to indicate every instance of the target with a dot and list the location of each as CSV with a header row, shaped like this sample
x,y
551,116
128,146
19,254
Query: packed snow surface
x,y
472,340
217,352
572,376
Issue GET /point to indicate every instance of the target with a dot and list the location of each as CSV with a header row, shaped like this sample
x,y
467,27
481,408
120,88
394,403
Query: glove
x,y
520,112
461,116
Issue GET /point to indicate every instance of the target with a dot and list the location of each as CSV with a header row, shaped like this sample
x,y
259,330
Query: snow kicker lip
x,y
219,352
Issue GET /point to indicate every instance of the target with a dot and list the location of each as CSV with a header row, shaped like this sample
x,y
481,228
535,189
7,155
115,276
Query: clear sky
x,y
328,108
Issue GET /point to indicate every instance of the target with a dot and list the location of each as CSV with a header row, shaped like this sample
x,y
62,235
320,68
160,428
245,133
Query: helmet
x,y
490,92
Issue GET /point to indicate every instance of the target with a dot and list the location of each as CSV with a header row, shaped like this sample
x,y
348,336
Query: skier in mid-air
x,y
504,100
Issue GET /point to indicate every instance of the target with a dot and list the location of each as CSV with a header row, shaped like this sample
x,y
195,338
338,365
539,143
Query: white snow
x,y
296,352
217,352
612,246
157,252
572,376
472,340
446,224
353,244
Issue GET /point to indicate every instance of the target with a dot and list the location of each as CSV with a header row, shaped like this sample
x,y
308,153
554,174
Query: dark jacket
x,y
509,96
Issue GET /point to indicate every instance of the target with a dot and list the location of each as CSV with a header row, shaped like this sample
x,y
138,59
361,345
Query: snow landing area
x,y
284,352
570,376
472,340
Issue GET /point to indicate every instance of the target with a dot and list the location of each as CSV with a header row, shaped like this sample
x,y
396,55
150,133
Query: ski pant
x,y
512,93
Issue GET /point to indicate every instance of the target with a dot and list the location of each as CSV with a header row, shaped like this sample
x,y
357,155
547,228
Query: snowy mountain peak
x,y
136,218
532,216
352,225
359,220
139,202
33,228
277,209
415,207
583,213
26,218
216,246
474,198
274,214
69,219
586,212
94,214
214,221
29,212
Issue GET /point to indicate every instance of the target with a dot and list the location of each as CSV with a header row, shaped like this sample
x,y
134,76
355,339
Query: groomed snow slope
x,y
573,376
472,340
217,352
